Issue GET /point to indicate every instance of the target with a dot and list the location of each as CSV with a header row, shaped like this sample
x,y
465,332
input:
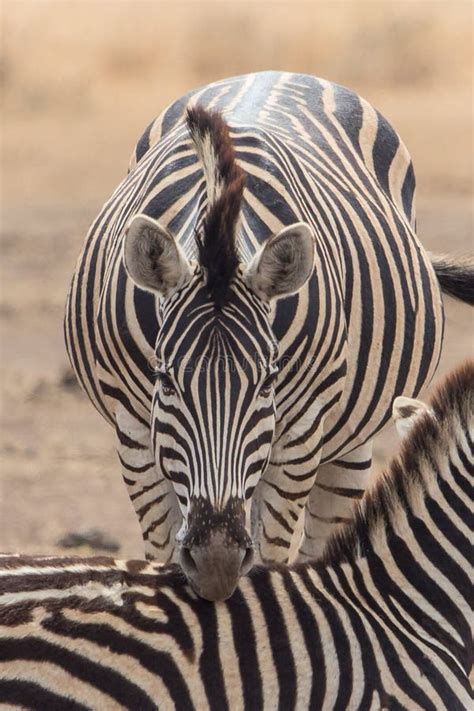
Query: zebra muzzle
x,y
214,569
217,550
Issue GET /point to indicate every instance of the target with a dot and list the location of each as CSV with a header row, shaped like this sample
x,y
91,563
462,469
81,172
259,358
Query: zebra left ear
x,y
406,411
153,258
284,263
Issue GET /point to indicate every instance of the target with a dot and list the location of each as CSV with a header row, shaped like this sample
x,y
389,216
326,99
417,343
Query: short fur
x,y
216,240
374,295
455,396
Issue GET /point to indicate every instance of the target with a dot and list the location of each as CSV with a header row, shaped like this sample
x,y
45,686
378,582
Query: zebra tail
x,y
455,275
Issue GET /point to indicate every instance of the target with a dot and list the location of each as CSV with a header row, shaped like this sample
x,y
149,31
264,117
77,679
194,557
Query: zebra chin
x,y
216,549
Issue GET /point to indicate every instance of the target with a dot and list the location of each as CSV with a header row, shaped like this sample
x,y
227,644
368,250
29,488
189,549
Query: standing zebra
x,y
177,327
383,621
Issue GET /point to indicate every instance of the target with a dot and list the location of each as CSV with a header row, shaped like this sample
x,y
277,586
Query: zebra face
x,y
213,421
213,406
213,409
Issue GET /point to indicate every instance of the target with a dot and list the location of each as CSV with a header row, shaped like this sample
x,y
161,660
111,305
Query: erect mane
x,y
216,240
453,408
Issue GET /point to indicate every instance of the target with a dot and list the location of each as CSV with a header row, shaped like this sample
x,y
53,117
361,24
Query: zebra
x,y
246,306
383,620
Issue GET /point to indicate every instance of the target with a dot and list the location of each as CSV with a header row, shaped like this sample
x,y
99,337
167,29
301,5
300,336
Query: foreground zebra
x,y
383,621
246,382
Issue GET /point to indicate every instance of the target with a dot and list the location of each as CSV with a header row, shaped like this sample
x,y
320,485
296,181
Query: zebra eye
x,y
166,384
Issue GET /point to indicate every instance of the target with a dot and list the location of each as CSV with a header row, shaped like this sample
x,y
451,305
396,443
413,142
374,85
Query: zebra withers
x,y
188,337
383,621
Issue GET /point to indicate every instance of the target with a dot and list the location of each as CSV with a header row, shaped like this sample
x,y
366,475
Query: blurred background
x,y
79,82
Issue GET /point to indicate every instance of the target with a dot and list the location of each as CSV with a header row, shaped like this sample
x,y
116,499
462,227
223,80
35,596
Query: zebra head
x,y
213,413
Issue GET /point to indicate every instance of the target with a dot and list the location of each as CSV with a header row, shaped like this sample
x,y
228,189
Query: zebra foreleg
x,y
276,507
338,484
152,495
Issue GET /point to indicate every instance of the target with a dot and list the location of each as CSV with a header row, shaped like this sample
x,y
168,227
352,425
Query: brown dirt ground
x,y
76,101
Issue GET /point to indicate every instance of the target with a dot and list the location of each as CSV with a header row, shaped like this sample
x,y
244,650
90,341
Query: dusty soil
x,y
75,103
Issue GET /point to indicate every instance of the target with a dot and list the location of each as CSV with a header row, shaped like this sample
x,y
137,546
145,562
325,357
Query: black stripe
x,y
138,470
458,540
384,150
349,114
408,191
98,676
267,195
157,522
120,396
312,637
127,442
276,515
459,479
328,519
168,195
87,283
30,695
157,662
210,667
353,466
143,142
274,540
143,510
280,644
243,634
145,310
341,491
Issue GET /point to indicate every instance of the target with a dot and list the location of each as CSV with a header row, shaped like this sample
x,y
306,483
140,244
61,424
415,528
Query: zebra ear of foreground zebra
x,y
153,258
283,264
382,622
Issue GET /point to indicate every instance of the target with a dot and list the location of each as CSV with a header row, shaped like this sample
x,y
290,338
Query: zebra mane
x,y
428,443
216,239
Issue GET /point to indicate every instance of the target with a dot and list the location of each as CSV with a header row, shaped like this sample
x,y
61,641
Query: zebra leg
x,y
152,495
329,504
276,507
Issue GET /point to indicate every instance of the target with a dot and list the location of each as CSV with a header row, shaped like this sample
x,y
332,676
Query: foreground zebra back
x,y
384,621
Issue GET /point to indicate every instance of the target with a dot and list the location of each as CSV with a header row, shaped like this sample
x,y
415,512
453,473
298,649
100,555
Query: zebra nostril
x,y
187,561
247,560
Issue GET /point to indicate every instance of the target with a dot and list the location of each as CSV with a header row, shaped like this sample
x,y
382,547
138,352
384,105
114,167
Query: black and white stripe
x,y
383,621
365,328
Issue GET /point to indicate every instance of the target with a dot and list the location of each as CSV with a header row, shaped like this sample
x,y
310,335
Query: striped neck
x,y
412,529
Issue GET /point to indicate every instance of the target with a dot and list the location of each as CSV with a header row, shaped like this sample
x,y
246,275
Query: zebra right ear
x,y
406,411
283,264
152,257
